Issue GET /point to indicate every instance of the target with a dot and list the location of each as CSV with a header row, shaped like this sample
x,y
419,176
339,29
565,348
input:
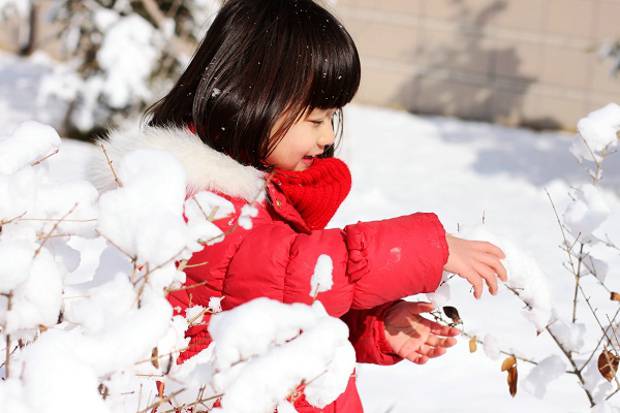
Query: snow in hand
x,y
84,335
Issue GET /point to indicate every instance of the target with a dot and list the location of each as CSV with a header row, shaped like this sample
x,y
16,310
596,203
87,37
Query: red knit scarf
x,y
317,192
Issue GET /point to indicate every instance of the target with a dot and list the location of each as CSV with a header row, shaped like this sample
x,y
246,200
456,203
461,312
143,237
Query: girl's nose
x,y
327,136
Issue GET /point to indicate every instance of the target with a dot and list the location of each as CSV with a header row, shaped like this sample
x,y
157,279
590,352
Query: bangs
x,y
327,61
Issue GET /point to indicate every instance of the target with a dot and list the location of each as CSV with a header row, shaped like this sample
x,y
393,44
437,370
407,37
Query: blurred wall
x,y
528,62
518,62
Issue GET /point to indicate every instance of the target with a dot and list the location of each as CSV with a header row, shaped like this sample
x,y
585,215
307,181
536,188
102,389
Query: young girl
x,y
254,113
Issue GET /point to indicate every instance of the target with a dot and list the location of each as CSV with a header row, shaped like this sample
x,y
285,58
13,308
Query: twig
x,y
7,350
105,153
613,330
128,255
570,359
54,227
148,360
561,228
44,158
506,353
577,278
53,220
566,353
8,221
599,342
189,287
200,208
198,264
201,401
162,401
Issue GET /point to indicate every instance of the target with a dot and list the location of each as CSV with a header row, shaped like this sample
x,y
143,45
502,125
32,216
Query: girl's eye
x,y
317,122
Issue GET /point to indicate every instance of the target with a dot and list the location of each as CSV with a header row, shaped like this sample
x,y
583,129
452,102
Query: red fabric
x,y
366,326
317,192
374,264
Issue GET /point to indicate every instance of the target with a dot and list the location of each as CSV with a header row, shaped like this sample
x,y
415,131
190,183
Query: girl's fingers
x,y
435,341
474,279
417,358
488,275
421,307
440,330
495,264
489,248
430,351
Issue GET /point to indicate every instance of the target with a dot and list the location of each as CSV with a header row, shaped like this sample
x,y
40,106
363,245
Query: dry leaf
x,y
155,357
473,344
509,363
103,391
452,313
608,364
512,380
614,296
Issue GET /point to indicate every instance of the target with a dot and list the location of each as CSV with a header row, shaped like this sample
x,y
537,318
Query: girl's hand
x,y
414,337
475,261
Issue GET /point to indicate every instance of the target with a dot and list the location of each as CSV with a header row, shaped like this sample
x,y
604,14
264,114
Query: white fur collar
x,y
206,168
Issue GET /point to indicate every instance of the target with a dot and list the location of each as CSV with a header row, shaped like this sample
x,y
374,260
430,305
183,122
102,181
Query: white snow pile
x,y
86,335
587,211
441,296
525,277
322,278
599,134
548,370
10,7
253,374
128,55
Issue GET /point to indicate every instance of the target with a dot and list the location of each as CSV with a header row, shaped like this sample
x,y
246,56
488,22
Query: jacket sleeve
x,y
373,262
395,258
367,335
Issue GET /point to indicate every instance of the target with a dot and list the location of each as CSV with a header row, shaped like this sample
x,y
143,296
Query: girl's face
x,y
306,139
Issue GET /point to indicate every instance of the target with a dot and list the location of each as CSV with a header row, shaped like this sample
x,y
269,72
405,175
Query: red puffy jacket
x,y
374,263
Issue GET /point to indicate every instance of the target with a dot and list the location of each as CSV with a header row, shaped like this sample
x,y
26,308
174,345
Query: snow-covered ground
x,y
465,172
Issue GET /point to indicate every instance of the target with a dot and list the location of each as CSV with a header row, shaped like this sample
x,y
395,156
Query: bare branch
x,y
44,158
54,227
128,255
105,153
599,342
7,350
161,401
577,279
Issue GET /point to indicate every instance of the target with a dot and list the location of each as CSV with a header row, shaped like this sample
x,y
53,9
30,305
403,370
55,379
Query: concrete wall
x,y
531,62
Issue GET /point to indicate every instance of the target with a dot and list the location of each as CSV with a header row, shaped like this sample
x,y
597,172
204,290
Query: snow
x,y
322,280
128,55
247,213
465,172
21,7
215,304
491,347
29,143
586,212
599,132
545,372
253,373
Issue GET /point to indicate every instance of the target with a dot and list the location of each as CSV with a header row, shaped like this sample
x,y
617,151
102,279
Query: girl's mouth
x,y
308,160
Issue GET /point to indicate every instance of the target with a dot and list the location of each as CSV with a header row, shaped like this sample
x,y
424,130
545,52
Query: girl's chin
x,y
304,164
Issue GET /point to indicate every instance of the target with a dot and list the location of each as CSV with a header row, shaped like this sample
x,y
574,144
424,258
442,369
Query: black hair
x,y
259,60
